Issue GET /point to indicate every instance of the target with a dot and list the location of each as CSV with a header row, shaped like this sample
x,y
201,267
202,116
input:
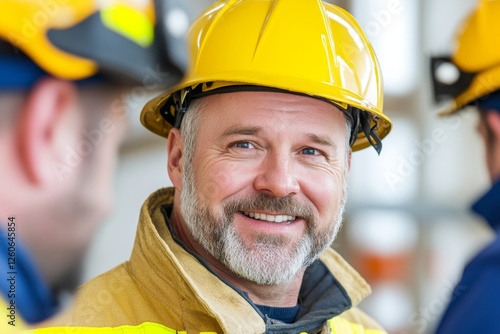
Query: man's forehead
x,y
261,113
269,104
269,94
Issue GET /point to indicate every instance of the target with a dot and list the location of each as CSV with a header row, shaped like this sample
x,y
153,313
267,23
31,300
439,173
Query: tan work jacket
x,y
164,288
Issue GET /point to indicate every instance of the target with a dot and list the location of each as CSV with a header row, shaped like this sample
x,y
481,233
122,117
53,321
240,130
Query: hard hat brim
x,y
152,119
484,83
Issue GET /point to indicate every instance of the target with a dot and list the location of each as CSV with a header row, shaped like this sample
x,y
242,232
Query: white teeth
x,y
270,218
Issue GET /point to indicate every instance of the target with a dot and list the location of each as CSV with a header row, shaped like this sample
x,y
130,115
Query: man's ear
x,y
175,148
49,121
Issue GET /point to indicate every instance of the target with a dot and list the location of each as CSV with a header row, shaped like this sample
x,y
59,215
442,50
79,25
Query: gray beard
x,y
271,260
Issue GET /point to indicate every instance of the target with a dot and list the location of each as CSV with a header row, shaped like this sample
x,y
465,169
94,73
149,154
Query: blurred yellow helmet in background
x,y
476,57
304,47
76,39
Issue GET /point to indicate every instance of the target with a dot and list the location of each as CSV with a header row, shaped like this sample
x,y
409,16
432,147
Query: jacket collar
x,y
329,279
487,206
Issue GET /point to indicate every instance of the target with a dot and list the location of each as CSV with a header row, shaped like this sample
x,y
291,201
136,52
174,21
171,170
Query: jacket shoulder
x,y
102,301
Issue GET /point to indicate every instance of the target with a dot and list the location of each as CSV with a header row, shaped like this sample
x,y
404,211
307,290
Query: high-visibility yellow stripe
x,y
337,325
129,23
144,328
340,325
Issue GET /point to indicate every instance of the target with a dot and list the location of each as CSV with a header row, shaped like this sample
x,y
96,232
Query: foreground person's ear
x,y
49,122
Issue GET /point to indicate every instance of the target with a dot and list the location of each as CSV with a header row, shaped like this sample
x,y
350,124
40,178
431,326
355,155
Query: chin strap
x,y
363,122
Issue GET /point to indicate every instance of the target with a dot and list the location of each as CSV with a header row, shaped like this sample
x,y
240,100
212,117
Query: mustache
x,y
263,202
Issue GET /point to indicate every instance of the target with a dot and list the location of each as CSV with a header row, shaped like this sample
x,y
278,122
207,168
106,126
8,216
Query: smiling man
x,y
261,208
260,134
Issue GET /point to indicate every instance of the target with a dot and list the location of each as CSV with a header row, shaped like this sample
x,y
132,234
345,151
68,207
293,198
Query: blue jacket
x,y
475,304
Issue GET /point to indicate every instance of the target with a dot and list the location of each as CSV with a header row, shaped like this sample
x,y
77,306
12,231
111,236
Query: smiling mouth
x,y
280,219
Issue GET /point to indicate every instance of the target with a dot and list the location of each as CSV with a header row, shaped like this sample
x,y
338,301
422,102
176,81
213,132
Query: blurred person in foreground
x,y
475,305
64,69
260,133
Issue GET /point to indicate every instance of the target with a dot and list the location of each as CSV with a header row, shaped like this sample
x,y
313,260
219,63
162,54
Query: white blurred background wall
x,y
407,226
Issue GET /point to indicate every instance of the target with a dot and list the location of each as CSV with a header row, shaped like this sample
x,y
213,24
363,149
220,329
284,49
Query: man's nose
x,y
277,176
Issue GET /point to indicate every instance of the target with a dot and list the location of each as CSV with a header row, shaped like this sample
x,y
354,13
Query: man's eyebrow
x,y
322,140
237,130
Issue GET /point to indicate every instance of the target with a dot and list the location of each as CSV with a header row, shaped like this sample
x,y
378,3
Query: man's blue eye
x,y
243,145
309,151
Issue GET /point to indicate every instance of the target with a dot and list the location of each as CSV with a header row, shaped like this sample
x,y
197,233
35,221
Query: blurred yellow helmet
x,y
304,47
476,58
76,39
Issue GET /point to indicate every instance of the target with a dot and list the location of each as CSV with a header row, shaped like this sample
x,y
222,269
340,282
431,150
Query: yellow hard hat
x,y
476,57
305,47
76,39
